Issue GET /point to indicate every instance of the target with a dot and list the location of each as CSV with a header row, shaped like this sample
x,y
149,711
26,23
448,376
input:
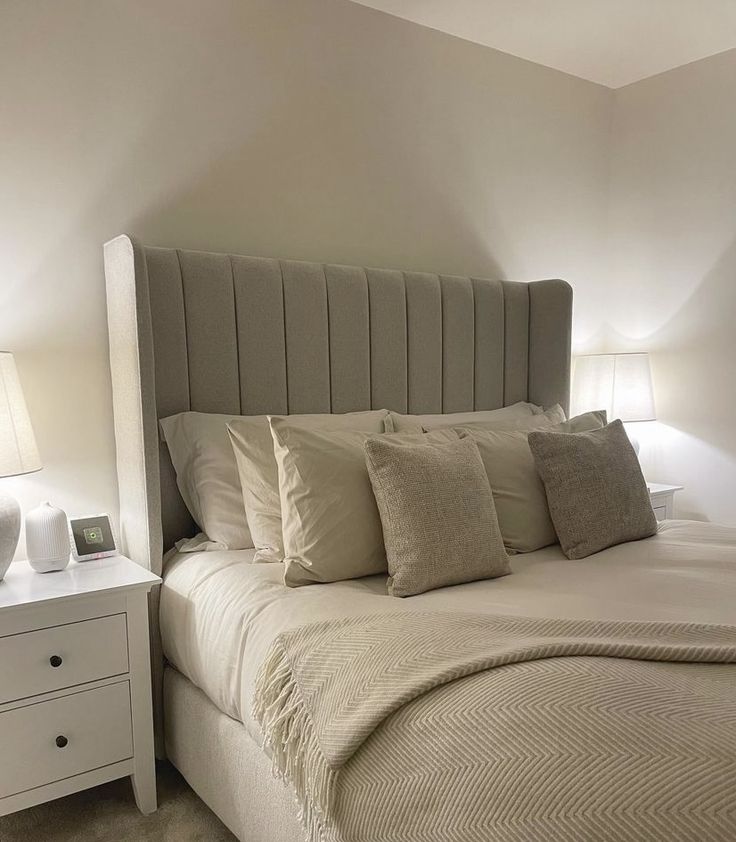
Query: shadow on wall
x,y
695,350
312,203
696,367
273,194
694,371
316,130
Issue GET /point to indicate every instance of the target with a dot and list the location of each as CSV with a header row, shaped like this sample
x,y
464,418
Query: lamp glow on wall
x,y
18,453
619,383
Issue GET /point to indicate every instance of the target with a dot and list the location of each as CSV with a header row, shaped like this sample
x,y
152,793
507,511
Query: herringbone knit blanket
x,y
463,727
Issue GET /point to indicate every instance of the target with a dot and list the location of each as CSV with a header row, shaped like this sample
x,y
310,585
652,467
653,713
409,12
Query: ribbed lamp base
x,y
9,531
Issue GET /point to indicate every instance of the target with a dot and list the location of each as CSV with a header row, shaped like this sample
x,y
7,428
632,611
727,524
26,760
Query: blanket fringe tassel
x,y
291,739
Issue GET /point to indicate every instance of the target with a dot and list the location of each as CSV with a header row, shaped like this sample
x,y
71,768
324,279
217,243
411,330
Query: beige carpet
x,y
108,814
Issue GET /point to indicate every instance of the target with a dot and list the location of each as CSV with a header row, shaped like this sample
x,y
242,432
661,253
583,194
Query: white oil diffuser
x,y
47,538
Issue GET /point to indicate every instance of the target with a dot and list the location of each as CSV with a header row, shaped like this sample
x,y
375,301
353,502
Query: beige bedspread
x,y
220,613
220,616
453,726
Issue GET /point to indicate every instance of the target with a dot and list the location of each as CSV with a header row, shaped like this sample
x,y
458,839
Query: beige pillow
x,y
436,507
207,477
330,522
595,489
253,446
518,491
506,414
540,421
583,423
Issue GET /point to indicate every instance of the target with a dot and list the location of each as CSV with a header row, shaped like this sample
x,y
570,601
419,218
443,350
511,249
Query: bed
x,y
236,335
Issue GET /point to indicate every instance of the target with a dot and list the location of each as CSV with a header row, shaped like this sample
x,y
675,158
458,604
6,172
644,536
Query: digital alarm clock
x,y
92,537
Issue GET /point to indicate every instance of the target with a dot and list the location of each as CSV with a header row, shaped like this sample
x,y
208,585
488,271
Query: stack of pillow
x,y
435,499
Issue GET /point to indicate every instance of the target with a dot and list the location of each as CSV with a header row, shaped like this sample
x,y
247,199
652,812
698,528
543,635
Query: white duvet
x,y
220,612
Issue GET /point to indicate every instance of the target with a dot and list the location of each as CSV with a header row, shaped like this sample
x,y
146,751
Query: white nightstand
x,y
75,682
663,499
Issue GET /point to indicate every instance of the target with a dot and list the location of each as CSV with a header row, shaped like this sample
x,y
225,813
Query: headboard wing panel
x,y
244,335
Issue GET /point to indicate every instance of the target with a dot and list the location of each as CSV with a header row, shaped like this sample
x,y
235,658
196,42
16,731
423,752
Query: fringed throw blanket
x,y
460,727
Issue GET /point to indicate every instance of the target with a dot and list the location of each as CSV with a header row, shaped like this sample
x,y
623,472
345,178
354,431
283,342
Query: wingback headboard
x,y
248,335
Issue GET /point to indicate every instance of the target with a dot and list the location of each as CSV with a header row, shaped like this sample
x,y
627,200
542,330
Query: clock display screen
x,y
92,535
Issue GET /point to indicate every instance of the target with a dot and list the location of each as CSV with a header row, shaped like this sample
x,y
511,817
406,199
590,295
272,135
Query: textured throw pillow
x,y
595,489
253,445
506,414
518,492
436,507
207,477
330,524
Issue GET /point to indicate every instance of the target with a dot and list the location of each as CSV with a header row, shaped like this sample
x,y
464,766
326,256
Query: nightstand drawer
x,y
660,512
63,656
46,742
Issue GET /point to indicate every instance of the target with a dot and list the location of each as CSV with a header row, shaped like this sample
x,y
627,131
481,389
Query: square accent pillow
x,y
437,513
518,491
596,492
253,446
330,523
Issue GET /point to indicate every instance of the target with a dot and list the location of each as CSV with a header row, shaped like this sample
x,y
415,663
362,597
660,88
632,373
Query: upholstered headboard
x,y
248,335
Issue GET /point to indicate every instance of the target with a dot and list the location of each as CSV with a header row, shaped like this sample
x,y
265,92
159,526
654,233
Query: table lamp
x,y
18,454
619,383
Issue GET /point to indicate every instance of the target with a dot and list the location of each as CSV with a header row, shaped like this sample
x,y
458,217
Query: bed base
x,y
225,767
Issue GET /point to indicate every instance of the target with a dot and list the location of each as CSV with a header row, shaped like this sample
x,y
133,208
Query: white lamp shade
x,y
18,451
619,383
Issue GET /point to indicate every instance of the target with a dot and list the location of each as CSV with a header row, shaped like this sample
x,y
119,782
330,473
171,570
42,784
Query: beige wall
x,y
314,129
323,130
672,288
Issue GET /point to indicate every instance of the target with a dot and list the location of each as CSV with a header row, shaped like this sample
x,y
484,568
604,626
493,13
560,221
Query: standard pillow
x,y
417,423
437,513
595,489
253,445
518,491
541,421
330,523
207,477
584,423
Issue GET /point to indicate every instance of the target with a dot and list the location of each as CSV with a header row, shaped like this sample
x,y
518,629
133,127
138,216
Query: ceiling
x,y
612,42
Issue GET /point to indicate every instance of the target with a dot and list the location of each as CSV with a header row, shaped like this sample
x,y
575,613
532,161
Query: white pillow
x,y
330,521
207,477
518,491
417,423
541,421
253,446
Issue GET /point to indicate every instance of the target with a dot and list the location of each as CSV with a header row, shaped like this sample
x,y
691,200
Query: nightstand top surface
x,y
659,488
23,586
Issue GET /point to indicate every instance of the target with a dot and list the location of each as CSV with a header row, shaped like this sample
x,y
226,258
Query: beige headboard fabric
x,y
249,335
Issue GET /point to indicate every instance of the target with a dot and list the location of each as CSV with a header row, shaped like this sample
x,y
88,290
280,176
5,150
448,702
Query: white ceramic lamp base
x,y
9,531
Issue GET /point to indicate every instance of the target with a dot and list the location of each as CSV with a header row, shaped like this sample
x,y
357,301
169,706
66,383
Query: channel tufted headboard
x,y
248,335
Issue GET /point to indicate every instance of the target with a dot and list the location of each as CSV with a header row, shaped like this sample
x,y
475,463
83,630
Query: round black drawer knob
x,y
61,741
55,661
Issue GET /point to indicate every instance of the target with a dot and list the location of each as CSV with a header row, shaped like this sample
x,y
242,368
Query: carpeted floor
x,y
108,814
